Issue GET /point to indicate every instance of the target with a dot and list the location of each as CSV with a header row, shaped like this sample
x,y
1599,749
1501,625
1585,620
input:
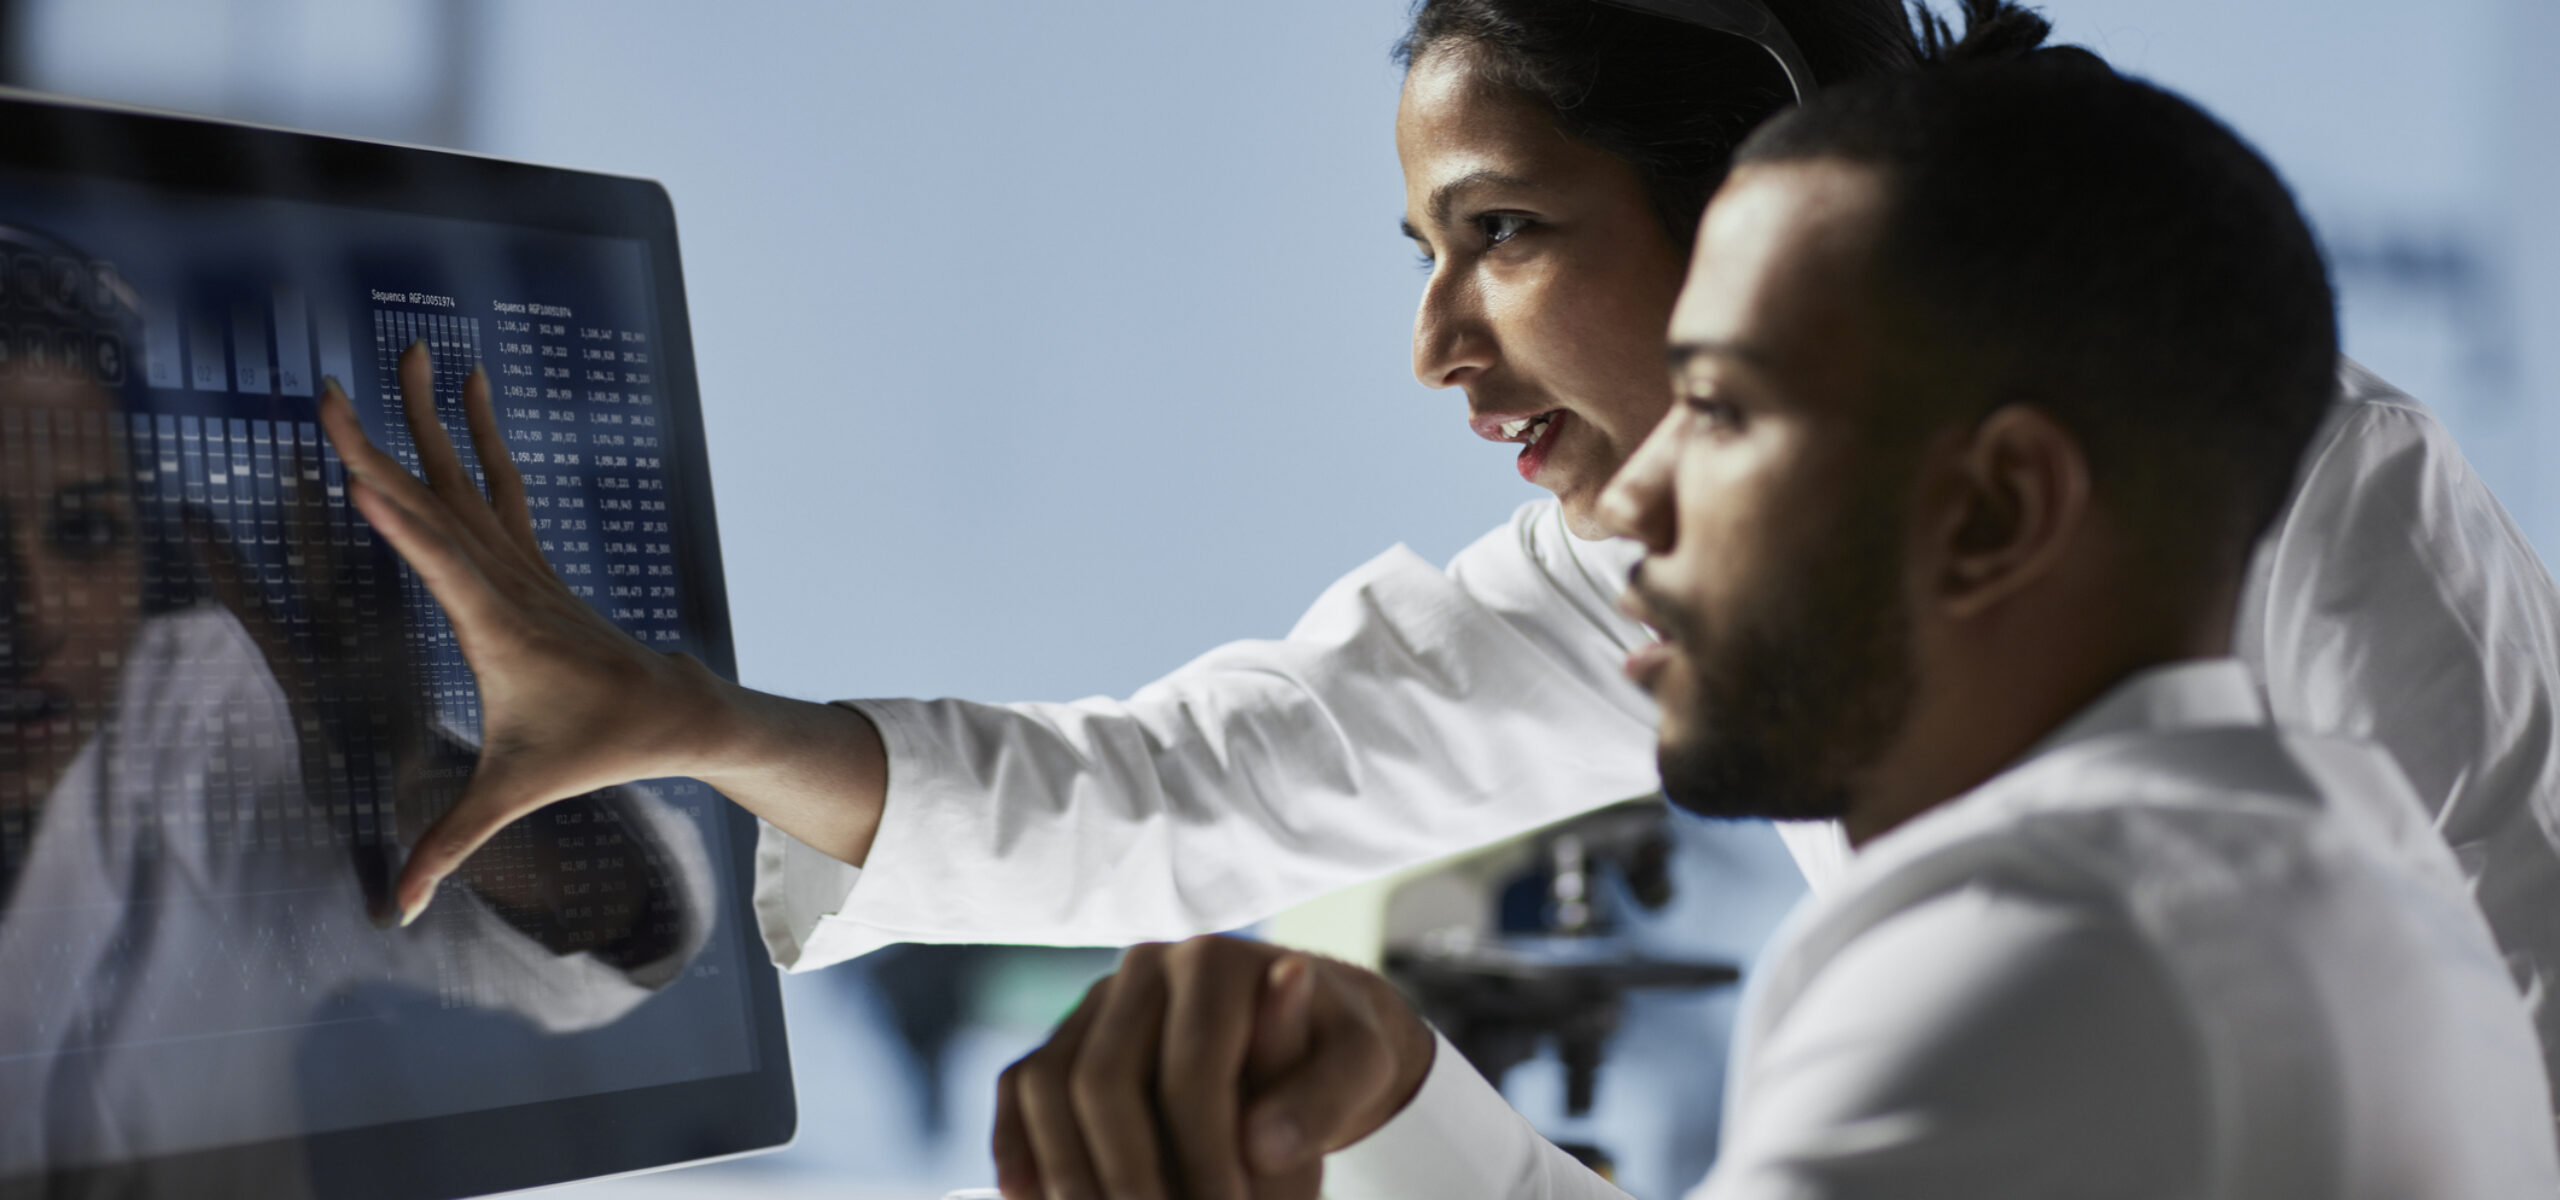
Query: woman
x,y
1415,711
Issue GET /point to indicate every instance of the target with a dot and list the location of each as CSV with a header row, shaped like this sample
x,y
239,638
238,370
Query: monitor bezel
x,y
524,1146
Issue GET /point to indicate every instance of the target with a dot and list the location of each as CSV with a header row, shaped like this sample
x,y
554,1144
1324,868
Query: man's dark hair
x,y
1670,99
2061,236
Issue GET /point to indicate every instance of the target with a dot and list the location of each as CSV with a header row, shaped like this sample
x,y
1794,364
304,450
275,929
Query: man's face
x,y
1551,280
1773,514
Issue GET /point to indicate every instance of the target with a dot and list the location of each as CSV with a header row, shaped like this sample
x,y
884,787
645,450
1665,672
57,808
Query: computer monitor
x,y
226,706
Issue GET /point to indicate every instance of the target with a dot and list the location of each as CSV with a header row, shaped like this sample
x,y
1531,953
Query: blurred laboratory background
x,y
1045,346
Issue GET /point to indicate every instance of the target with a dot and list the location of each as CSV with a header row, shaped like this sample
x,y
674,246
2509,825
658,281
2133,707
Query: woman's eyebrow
x,y
1445,197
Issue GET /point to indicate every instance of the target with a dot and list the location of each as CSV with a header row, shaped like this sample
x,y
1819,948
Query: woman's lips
x,y
25,709
1533,457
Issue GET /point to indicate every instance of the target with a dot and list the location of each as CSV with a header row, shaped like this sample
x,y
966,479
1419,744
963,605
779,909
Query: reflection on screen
x,y
225,706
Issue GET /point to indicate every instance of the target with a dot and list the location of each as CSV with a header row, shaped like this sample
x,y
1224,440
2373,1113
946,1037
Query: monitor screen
x,y
226,707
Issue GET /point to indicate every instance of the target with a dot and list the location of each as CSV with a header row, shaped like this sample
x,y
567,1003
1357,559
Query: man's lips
x,y
1645,663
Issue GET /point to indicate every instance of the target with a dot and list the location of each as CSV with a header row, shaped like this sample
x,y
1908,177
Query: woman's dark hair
x,y
1670,99
74,316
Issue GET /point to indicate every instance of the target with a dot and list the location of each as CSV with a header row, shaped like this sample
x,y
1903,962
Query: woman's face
x,y
70,575
1551,280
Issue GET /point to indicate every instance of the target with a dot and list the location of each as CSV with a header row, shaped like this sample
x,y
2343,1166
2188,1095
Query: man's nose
x,y
1638,501
1451,342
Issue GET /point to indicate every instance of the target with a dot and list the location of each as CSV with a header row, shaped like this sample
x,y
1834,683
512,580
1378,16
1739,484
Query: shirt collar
x,y
2194,694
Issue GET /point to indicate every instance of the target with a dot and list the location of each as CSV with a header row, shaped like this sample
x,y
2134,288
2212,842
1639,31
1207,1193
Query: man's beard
x,y
1804,691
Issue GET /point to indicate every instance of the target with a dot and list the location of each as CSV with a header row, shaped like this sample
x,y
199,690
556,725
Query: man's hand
x,y
1212,1069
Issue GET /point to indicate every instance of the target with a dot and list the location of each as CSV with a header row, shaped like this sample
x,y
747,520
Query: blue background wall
x,y
1044,346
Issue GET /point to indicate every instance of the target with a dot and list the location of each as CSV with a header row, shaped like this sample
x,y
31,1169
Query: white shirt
x,y
181,910
2172,952
1415,712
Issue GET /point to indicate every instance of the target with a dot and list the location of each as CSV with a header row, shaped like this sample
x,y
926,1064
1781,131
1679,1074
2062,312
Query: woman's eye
x,y
85,533
1501,227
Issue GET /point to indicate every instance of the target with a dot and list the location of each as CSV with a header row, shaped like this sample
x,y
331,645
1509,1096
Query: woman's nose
x,y
18,656
1452,343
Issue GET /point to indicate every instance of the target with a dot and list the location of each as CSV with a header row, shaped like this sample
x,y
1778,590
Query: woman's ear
x,y
2010,501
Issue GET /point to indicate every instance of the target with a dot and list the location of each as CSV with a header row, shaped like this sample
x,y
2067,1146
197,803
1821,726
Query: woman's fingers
x,y
498,795
545,663
431,551
438,462
498,466
365,460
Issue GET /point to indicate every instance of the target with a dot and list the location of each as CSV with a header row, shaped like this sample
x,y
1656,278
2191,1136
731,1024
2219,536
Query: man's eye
x,y
85,533
1501,227
1717,413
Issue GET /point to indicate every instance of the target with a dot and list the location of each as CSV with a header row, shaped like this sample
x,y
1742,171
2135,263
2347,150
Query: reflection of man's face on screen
x,y
70,575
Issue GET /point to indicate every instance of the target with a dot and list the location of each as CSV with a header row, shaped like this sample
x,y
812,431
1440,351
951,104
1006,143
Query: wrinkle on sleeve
x,y
1410,714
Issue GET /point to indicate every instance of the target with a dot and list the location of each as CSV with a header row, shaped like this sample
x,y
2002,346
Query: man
x,y
1555,155
1990,377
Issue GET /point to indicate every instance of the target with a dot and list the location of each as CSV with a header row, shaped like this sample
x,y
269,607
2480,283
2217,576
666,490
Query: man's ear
x,y
2012,499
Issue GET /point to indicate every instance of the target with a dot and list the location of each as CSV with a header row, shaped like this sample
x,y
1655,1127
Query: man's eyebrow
x,y
1445,196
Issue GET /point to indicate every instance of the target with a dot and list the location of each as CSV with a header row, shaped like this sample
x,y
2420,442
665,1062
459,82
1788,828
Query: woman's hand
x,y
569,703
1214,1069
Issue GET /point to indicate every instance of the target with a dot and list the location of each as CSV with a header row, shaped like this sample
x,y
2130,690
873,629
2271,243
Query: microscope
x,y
1512,947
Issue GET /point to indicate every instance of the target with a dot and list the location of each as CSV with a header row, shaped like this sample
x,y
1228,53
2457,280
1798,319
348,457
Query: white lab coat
x,y
1415,712
182,912
2172,952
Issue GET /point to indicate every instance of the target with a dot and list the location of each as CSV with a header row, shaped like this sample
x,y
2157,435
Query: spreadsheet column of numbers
x,y
579,406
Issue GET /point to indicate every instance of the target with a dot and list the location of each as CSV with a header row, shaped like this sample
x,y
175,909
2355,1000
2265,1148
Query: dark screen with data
x,y
226,707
